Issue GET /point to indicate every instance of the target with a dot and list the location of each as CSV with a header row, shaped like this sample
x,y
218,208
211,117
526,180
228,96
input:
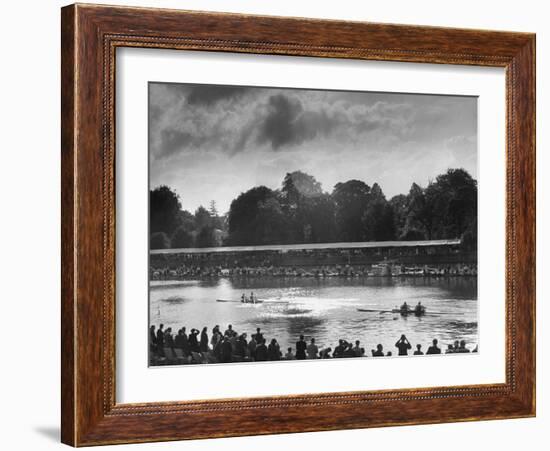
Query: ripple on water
x,y
174,300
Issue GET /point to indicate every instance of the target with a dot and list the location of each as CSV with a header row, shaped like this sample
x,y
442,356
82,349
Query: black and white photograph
x,y
296,224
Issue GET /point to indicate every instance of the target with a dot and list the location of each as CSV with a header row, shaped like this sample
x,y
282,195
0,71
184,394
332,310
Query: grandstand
x,y
433,252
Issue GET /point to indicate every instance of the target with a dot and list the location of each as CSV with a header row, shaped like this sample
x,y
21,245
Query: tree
x,y
412,235
320,219
181,238
216,221
446,208
422,208
456,199
298,185
243,216
270,225
300,212
187,220
202,218
206,237
213,209
376,194
469,237
165,209
310,211
378,218
159,240
399,205
351,199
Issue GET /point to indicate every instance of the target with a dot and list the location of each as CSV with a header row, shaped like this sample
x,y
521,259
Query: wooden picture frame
x,y
90,35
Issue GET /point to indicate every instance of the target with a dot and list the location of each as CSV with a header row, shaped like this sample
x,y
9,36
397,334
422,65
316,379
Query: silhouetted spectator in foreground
x,y
450,350
168,338
258,336
418,350
216,336
433,349
152,337
226,351
358,350
325,353
229,331
348,352
289,355
204,340
403,345
241,346
301,347
273,350
312,350
339,350
463,348
217,351
379,351
160,340
252,348
261,352
181,341
193,341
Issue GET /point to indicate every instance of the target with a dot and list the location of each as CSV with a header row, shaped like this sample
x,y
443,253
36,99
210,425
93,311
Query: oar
x,y
373,311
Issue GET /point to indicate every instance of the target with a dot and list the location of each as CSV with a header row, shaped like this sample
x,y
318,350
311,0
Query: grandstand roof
x,y
312,246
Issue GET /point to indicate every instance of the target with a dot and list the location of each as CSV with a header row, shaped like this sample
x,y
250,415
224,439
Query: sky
x,y
212,142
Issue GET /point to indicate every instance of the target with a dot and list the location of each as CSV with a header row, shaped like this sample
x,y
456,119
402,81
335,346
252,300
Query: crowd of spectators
x,y
196,347
184,271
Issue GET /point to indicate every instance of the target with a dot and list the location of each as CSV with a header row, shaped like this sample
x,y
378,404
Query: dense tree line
x,y
301,212
172,227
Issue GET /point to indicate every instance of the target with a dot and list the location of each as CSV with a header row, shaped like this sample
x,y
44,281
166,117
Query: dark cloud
x,y
287,123
208,95
171,141
155,113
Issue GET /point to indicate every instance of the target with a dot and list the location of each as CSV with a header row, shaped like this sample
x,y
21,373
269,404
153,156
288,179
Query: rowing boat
x,y
402,312
408,312
258,301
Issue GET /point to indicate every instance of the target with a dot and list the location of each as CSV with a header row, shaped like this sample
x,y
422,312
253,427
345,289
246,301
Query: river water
x,y
326,309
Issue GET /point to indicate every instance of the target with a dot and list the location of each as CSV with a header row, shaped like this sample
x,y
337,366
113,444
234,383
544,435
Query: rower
x,y
419,309
252,299
405,308
243,298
